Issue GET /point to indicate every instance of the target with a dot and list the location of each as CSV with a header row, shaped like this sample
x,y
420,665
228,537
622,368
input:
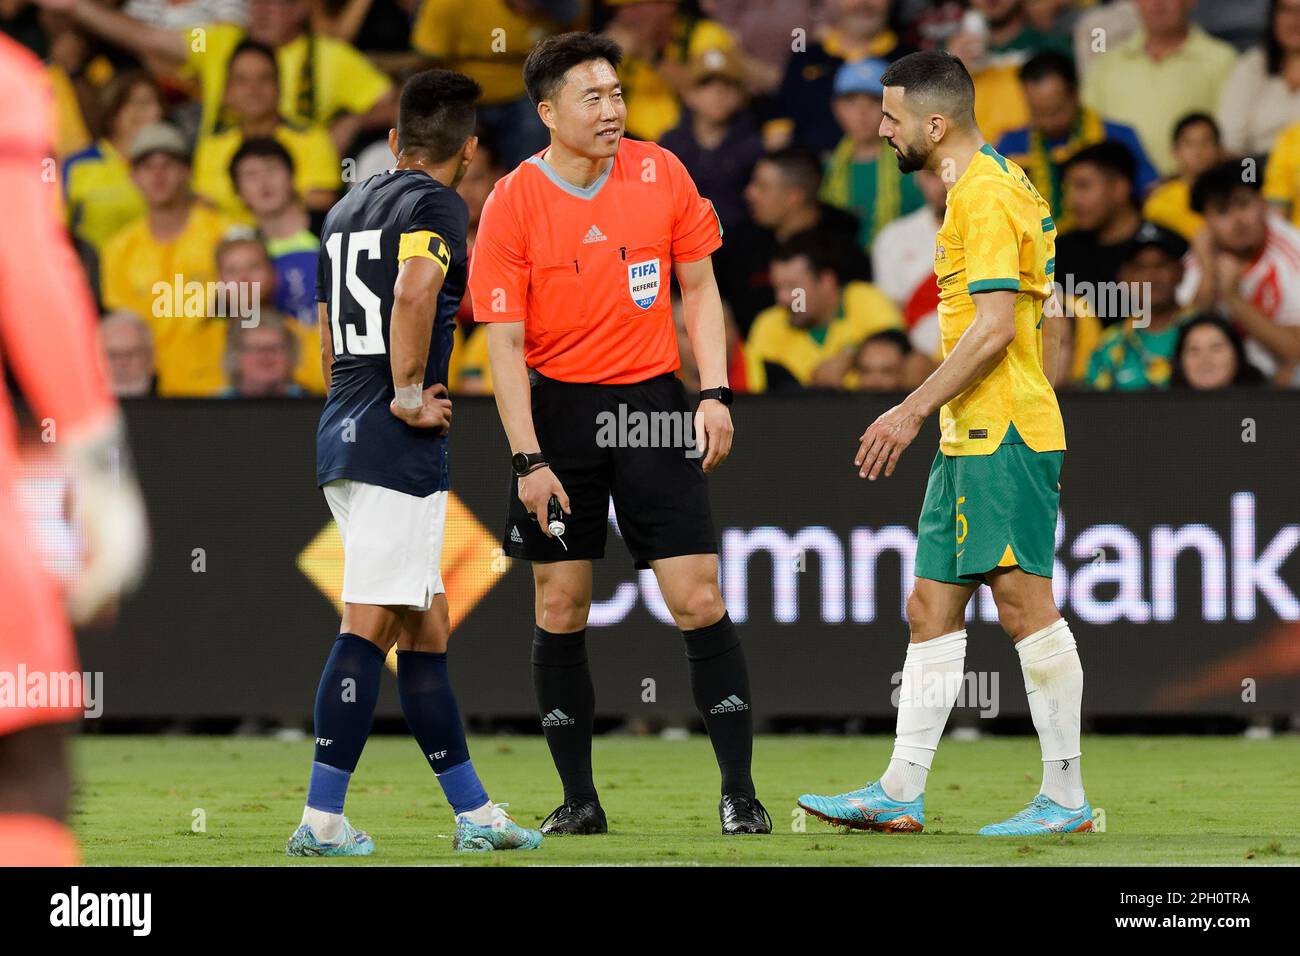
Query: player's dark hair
x,y
252,46
1050,63
822,253
262,146
938,82
1216,186
1196,119
436,113
799,167
554,56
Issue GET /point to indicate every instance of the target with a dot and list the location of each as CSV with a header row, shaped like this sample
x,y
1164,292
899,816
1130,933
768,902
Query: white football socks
x,y
328,827
482,816
1054,686
932,675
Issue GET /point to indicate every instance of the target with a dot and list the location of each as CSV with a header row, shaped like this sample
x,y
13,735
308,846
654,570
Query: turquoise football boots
x,y
502,834
1043,816
354,843
868,809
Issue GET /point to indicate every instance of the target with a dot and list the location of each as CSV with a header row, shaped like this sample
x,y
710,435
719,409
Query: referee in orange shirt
x,y
571,267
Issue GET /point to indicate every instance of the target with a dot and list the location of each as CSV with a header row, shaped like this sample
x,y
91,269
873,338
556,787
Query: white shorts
x,y
392,543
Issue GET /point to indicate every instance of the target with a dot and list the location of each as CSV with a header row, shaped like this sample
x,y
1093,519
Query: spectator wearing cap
x,y
1059,126
861,175
252,98
1197,147
811,337
1170,67
157,266
1138,353
1262,94
1210,355
262,171
260,359
717,140
323,80
1099,199
1247,266
782,200
128,347
858,29
97,188
244,266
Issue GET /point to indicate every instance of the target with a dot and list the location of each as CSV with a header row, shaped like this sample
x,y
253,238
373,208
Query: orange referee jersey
x,y
587,270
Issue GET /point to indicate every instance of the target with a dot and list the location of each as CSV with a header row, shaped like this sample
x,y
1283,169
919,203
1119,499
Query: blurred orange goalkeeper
x,y
47,339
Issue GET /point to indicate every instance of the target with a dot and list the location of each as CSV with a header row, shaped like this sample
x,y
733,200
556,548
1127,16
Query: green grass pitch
x,y
1167,800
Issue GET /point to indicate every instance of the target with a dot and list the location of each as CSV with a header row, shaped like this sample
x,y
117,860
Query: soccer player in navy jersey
x,y
388,285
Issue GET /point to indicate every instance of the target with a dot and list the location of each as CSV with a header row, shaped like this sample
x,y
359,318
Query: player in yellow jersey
x,y
990,506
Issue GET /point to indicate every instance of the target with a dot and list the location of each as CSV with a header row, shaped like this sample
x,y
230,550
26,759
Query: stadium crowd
x,y
200,143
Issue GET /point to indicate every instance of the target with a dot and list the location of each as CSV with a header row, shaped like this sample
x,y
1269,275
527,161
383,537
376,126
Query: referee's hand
x,y
535,492
713,431
434,411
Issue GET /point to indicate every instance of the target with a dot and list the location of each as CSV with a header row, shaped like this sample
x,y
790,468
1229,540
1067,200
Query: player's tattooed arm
x,y
707,330
981,346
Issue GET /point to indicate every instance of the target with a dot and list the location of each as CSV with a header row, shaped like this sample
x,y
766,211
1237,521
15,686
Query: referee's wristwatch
x,y
721,393
525,463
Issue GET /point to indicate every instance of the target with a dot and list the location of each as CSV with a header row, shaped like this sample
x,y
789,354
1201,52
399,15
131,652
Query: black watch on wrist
x,y
721,393
525,463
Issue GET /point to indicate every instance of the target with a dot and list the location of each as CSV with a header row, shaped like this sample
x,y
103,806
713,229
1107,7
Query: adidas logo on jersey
x,y
729,705
594,235
557,718
515,536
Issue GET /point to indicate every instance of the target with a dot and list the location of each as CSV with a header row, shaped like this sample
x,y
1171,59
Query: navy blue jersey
x,y
388,218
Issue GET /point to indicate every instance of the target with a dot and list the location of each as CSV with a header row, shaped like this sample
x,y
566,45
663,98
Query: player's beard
x,y
910,159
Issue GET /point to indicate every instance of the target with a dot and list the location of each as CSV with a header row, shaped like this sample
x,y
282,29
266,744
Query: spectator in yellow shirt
x,y
1197,147
1282,174
97,187
323,80
488,41
811,337
161,265
252,98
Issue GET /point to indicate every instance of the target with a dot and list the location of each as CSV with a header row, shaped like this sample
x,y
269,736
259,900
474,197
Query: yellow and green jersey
x,y
998,234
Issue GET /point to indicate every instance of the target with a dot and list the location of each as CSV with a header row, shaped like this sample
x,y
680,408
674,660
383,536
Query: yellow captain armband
x,y
424,243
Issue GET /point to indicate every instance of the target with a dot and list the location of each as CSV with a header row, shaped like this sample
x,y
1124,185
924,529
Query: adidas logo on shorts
x,y
594,235
557,718
515,536
729,706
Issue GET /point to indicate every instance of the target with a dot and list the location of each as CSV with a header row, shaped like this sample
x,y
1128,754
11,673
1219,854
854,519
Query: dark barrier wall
x,y
1176,565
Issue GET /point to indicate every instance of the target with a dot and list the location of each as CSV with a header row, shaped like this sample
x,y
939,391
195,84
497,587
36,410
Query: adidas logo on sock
x,y
594,235
557,718
729,706
515,536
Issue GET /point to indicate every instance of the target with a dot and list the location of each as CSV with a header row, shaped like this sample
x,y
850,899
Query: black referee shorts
x,y
627,442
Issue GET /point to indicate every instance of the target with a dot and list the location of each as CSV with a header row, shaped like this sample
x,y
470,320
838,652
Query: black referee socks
x,y
566,700
720,684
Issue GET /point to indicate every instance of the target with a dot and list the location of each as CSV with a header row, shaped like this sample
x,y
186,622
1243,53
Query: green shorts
x,y
983,512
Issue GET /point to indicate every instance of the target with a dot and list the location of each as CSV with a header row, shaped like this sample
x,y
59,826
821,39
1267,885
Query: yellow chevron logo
x,y
472,563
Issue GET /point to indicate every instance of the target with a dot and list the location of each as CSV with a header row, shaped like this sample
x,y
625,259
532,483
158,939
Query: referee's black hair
x,y
1216,186
436,113
554,56
938,82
